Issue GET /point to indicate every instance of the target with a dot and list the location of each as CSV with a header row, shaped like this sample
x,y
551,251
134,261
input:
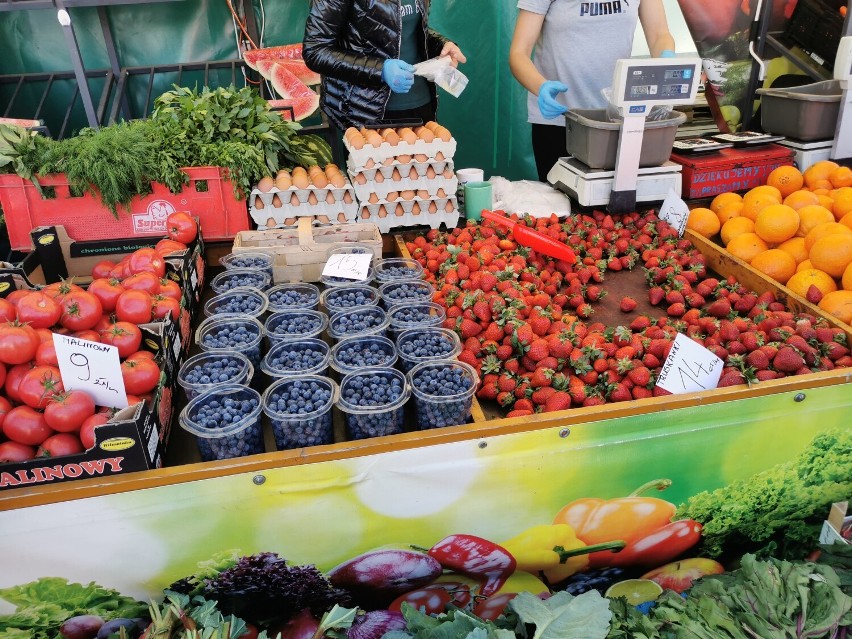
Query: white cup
x,y
464,176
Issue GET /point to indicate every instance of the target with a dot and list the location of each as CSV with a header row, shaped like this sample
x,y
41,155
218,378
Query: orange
x,y
723,199
795,246
810,216
839,304
846,220
821,187
753,204
832,254
703,221
736,226
798,199
822,230
818,172
846,280
746,245
786,179
776,223
803,280
841,176
764,189
777,264
842,202
827,201
730,211
803,266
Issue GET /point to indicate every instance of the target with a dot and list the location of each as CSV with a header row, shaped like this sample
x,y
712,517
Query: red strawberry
x,y
676,310
834,351
641,392
595,293
524,335
559,400
541,395
504,352
720,308
620,393
525,404
694,300
656,295
640,324
745,303
727,331
640,376
627,304
539,323
757,360
469,357
519,413
488,391
730,377
675,297
788,360
585,311
487,282
468,328
482,310
813,294
765,375
541,377
538,350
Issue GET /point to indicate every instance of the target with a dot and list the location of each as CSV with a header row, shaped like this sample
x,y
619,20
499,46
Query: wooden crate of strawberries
x,y
547,336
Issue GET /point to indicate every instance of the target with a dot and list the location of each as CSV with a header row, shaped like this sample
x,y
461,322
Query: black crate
x,y
817,26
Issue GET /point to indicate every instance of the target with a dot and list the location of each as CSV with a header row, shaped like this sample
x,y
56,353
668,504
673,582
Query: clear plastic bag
x,y
442,73
535,198
658,112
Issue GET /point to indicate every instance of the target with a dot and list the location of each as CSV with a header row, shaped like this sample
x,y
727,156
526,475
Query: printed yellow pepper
x,y
554,550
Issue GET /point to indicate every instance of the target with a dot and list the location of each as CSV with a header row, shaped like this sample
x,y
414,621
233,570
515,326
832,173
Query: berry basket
x,y
350,249
298,324
417,315
297,357
299,409
225,421
394,269
253,261
357,321
406,292
240,278
284,297
443,392
373,402
415,346
238,301
205,371
368,351
341,298
231,334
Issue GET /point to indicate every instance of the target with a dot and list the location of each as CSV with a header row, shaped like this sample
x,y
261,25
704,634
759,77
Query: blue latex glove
x,y
667,53
398,75
547,104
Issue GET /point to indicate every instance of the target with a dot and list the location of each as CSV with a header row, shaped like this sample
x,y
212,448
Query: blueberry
x,y
348,297
400,272
209,372
249,261
356,353
373,390
237,302
359,320
294,323
229,281
295,297
411,315
289,358
233,335
212,414
300,398
432,383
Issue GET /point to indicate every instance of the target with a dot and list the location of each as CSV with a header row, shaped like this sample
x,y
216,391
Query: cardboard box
x,y
837,529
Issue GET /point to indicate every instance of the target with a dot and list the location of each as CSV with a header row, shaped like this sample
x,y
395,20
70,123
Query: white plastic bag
x,y
658,112
535,198
441,72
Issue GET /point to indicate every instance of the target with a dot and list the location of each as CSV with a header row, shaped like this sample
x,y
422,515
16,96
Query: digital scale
x,y
638,85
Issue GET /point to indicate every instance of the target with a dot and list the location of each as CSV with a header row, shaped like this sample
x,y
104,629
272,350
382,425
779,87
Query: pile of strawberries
x,y
527,321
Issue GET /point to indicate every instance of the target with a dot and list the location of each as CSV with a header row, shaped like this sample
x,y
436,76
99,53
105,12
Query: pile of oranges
x,y
797,229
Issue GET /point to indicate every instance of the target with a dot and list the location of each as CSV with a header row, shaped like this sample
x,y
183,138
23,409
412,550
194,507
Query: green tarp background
x,y
488,120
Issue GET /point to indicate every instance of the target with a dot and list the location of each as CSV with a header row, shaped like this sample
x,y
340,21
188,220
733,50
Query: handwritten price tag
x,y
675,211
91,367
352,266
689,368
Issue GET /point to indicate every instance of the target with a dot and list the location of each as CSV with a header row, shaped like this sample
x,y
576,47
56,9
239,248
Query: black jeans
x,y
548,144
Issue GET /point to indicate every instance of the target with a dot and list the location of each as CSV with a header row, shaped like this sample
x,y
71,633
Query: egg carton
x,y
402,163
402,213
358,158
288,213
429,186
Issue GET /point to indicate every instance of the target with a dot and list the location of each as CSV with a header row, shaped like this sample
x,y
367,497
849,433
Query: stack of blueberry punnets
x,y
355,353
398,268
358,320
204,371
297,357
342,298
299,409
253,261
333,281
240,278
232,333
415,315
405,292
443,392
293,297
225,421
298,323
425,345
373,402
238,301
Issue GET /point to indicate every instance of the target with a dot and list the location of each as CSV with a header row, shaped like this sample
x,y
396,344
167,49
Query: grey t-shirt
x,y
578,45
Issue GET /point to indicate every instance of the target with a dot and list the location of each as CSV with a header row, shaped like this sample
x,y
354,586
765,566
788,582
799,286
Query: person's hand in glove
x,y
398,75
547,104
667,53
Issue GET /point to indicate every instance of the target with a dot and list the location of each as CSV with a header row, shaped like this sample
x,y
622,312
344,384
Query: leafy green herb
x,y
779,511
44,604
839,557
585,616
628,623
454,624
19,152
182,617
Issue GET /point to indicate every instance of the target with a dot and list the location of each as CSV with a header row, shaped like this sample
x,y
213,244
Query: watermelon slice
x,y
294,92
296,67
283,52
26,124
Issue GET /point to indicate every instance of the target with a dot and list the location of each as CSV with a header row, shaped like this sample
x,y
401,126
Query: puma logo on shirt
x,y
408,9
593,9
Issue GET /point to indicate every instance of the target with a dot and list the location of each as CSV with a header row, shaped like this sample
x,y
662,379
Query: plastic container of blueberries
x,y
237,439
337,333
243,376
250,349
432,315
439,411
393,269
214,305
277,318
378,343
286,345
363,422
348,250
330,295
407,362
224,281
308,290
424,292
240,260
297,431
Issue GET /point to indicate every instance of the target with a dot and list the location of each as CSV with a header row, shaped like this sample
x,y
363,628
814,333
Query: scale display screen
x,y
674,90
655,81
678,74
642,89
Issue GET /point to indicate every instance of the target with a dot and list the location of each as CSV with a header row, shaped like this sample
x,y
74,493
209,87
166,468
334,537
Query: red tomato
x,y
165,307
46,355
59,445
102,269
38,310
125,336
132,400
44,335
2,375
15,452
121,270
15,296
60,289
141,375
80,311
167,247
134,307
26,425
5,407
103,324
107,291
435,598
142,281
13,380
180,227
491,608
170,288
89,334
18,342
66,412
87,430
39,385
147,260
144,355
8,313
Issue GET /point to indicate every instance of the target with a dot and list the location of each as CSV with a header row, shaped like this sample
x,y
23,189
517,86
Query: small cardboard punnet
x,y
837,529
328,205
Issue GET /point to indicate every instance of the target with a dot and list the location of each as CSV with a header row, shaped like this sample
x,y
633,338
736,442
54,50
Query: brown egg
x,y
396,176
300,178
439,156
433,208
424,134
432,125
329,198
393,196
258,204
314,168
399,211
378,177
448,207
441,193
350,132
331,166
347,197
403,159
388,161
415,210
430,172
319,180
312,199
270,221
383,211
290,221
407,195
423,194
443,133
390,136
407,135
364,216
294,200
370,163
338,180
341,217
373,199
421,157
448,173
276,202
360,178
357,142
412,174
265,184
283,181
323,219
374,139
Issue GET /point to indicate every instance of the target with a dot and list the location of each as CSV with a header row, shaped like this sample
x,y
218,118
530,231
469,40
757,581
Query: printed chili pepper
x,y
476,557
554,550
628,519
661,546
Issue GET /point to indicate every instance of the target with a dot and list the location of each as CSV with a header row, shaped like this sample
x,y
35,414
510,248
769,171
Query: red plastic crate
x,y
209,196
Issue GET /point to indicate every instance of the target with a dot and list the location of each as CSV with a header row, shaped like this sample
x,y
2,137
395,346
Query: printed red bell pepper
x,y
661,546
475,557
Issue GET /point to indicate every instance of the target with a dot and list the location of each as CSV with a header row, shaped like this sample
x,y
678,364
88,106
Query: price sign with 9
x,y
91,367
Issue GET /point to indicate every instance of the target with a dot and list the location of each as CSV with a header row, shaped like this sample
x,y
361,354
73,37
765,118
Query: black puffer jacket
x,y
347,42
